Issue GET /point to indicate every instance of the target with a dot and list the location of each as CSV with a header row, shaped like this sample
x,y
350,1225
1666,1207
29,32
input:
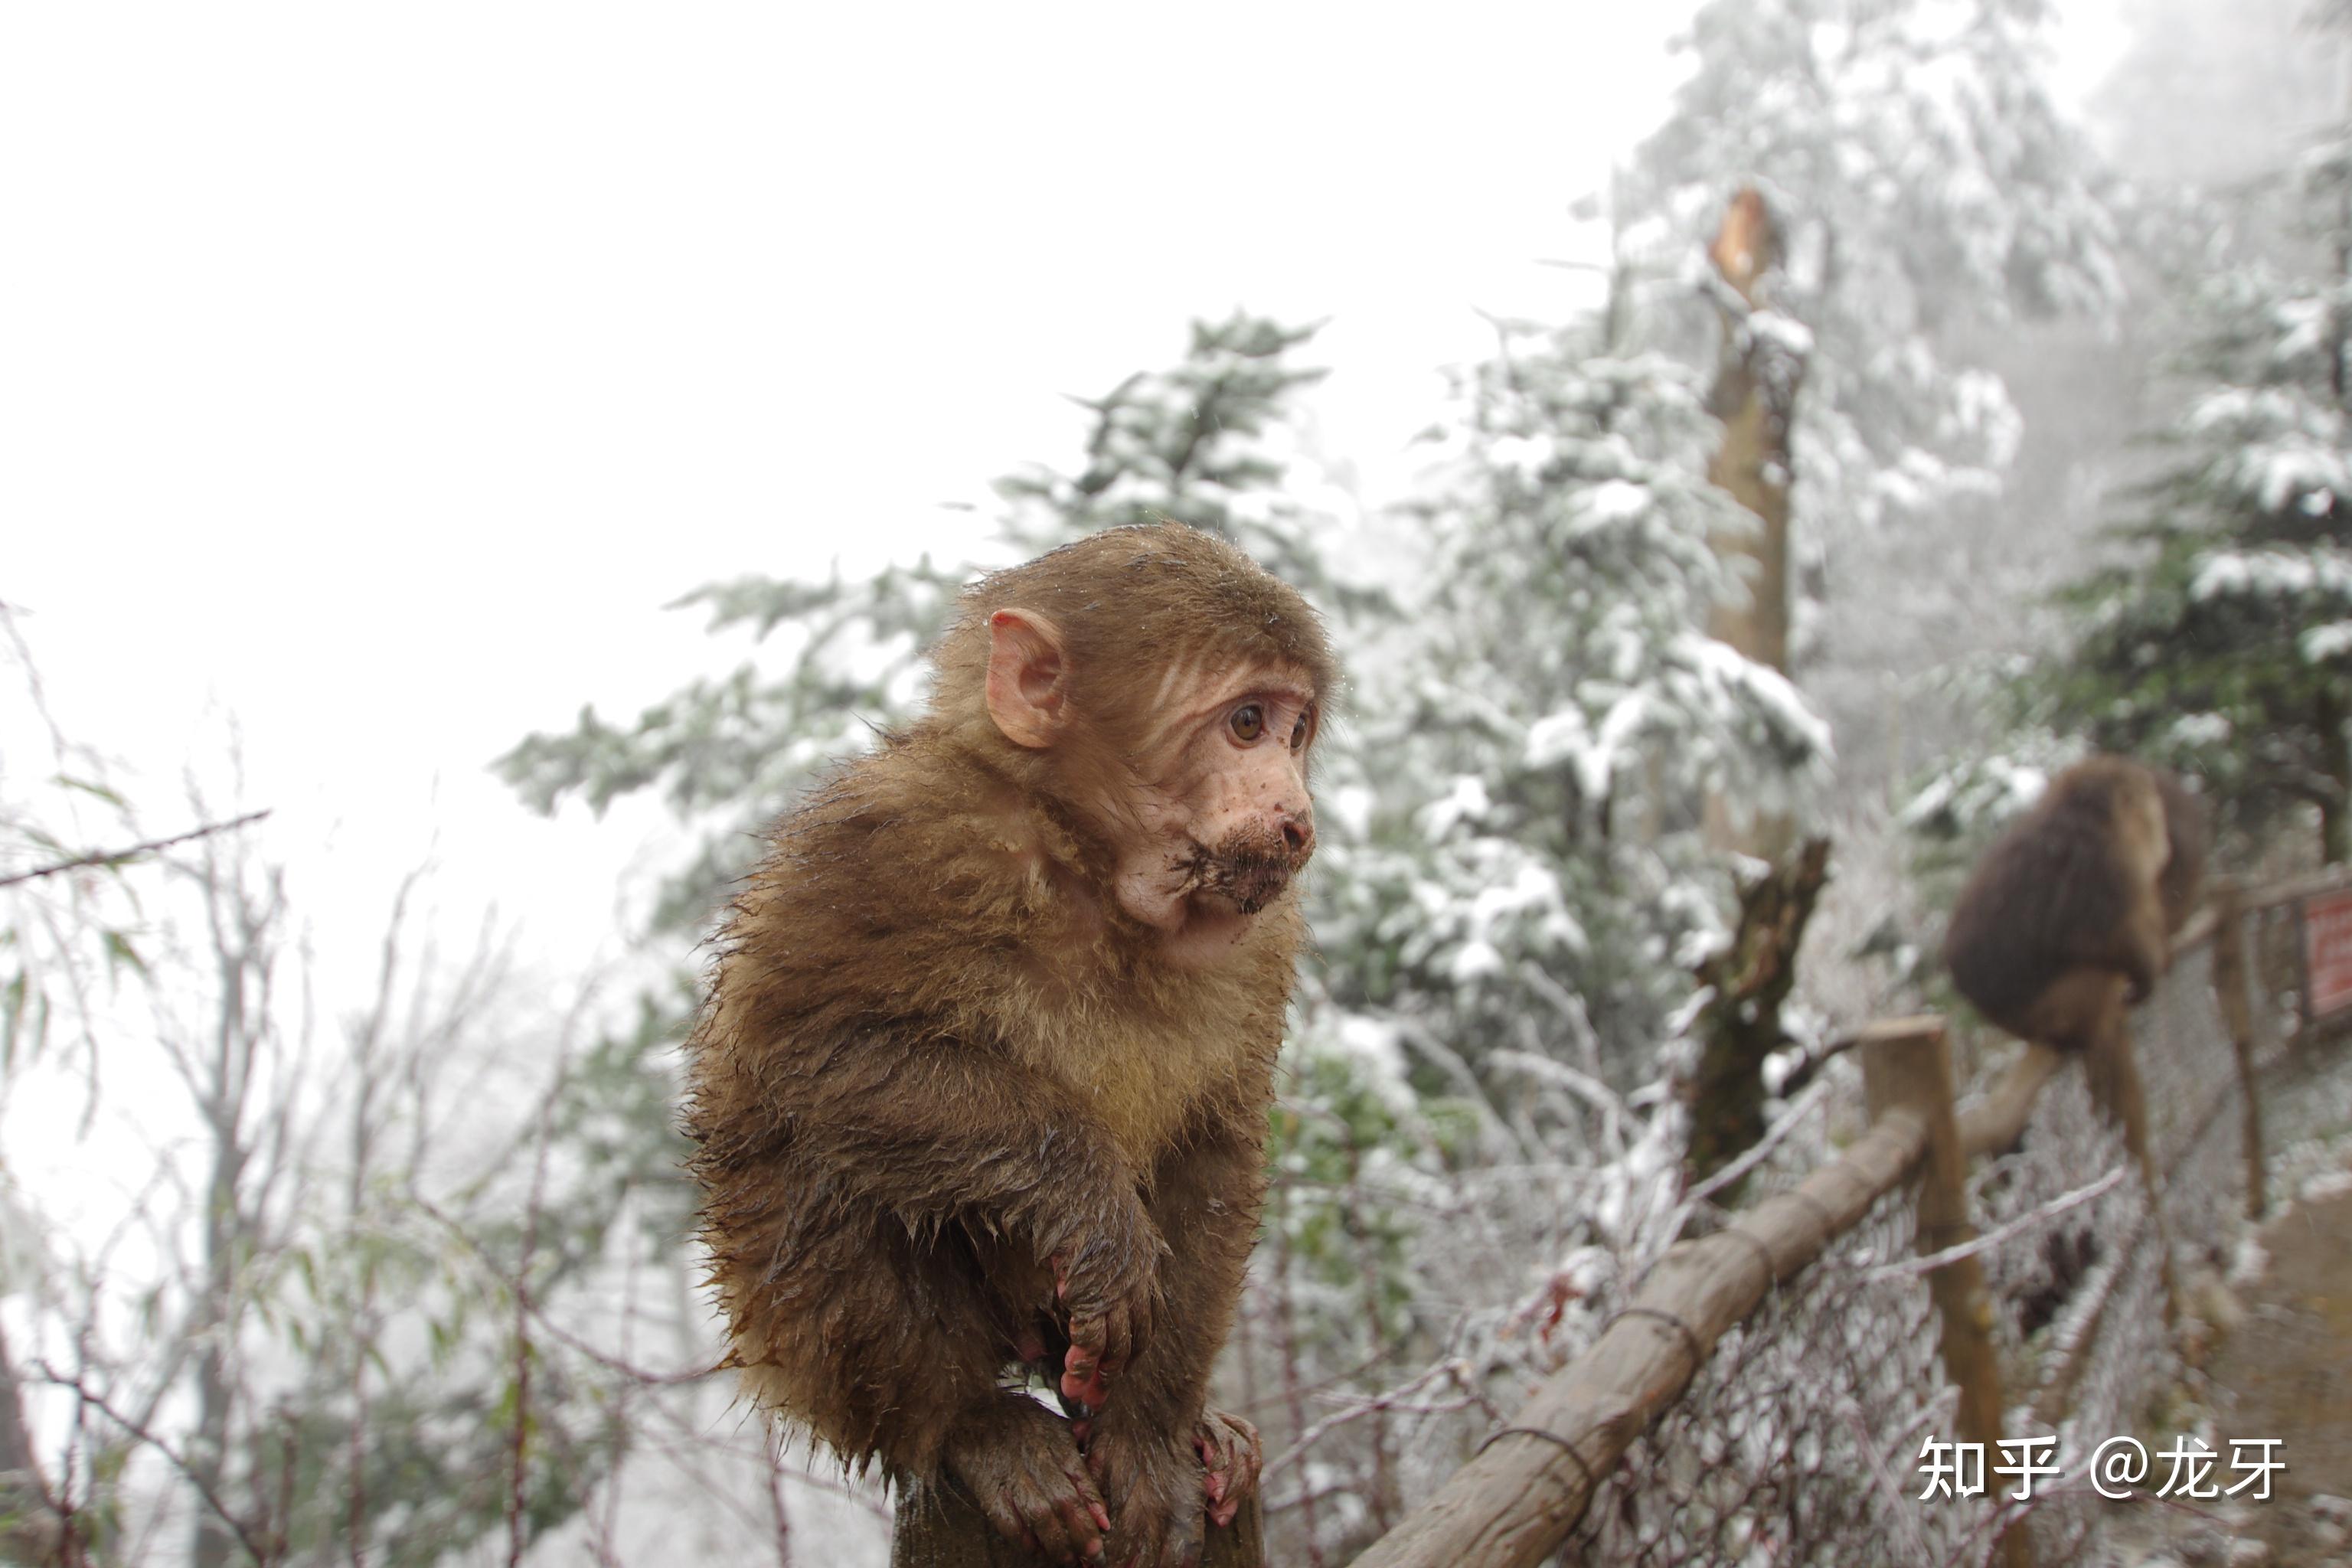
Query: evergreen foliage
x,y
1922,181
1533,873
2222,645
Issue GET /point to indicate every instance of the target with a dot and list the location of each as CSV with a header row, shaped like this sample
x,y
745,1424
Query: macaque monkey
x,y
2067,920
980,1090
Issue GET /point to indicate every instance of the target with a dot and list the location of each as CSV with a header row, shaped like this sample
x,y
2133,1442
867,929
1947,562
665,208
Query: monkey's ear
x,y
1028,679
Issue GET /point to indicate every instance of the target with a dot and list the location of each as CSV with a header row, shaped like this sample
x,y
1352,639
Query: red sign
x,y
2327,953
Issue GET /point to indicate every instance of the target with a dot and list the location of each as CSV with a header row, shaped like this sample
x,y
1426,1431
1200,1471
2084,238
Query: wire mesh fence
x,y
2077,1298
1798,1441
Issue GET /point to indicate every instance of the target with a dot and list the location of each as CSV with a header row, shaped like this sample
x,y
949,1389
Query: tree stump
x,y
1740,1024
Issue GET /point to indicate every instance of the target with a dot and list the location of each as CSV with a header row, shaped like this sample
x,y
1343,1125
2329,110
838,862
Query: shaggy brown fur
x,y
943,1074
2066,919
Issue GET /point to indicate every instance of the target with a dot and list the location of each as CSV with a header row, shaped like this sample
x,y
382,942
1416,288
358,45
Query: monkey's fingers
x,y
1083,1385
1119,1338
1086,1377
1231,1458
1019,1462
1100,1348
1056,1513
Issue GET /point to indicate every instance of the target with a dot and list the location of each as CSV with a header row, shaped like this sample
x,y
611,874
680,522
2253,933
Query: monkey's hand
x,y
1158,1501
1107,1284
1020,1463
1230,1458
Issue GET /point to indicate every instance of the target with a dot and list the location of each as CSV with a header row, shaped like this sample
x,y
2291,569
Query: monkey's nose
x,y
1297,836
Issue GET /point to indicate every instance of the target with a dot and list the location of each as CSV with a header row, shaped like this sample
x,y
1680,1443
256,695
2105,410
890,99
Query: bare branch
x,y
110,857
91,1398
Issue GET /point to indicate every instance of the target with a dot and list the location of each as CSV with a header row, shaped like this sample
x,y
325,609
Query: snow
x,y
2194,731
2273,573
1475,961
1373,1049
1350,807
1565,737
1467,800
1614,501
1526,455
2327,1184
1994,790
1781,333
2321,644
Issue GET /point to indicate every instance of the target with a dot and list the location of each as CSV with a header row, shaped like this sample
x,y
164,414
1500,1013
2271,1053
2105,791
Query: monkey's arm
x,y
1166,1462
933,1131
2134,947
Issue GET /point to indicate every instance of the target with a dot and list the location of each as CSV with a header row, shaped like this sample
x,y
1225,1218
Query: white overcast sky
x,y
375,374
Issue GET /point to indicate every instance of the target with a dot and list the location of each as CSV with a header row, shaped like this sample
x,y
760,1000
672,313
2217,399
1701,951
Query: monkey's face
x,y
1227,820
1194,773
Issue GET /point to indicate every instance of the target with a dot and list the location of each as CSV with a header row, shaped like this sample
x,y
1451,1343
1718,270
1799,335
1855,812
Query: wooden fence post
x,y
2232,973
1913,1069
937,1527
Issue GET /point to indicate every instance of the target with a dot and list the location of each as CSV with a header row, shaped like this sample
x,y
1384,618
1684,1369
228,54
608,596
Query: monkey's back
x,y
2040,903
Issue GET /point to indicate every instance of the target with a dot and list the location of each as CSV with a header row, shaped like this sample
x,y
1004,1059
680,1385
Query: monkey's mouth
x,y
1244,873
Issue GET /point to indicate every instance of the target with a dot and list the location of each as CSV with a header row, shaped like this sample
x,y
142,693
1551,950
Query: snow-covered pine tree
x,y
1927,193
1532,874
1921,179
2222,644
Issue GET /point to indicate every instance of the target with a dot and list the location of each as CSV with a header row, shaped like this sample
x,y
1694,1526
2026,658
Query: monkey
x,y
979,1089
2186,843
2068,916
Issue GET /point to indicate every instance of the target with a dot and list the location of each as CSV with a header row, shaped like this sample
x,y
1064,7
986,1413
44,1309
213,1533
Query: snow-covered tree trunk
x,y
1757,376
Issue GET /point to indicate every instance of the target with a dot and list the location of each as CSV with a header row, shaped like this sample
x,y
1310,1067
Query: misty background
x,y
375,386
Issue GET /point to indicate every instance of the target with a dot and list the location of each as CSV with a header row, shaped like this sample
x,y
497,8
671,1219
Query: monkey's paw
x,y
1020,1463
1230,1459
1156,1497
1106,1287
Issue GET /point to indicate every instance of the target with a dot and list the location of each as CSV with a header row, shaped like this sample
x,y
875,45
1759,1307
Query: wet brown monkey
x,y
2067,919
981,1081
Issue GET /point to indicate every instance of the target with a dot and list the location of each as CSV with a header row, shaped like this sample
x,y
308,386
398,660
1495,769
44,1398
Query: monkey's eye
x,y
1248,721
1304,728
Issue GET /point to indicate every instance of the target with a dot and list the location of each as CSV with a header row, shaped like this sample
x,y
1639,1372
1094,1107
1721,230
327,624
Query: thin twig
x,y
547,1325
1754,1153
776,1505
1455,1371
93,1400
117,857
1998,1234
